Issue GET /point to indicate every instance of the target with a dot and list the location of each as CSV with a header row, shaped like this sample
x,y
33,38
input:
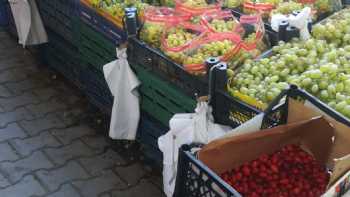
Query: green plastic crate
x,y
159,98
95,48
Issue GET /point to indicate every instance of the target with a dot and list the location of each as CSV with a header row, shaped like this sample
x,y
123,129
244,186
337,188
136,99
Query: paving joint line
x,y
47,169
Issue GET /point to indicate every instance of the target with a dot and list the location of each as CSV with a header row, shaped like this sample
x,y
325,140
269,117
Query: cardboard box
x,y
323,137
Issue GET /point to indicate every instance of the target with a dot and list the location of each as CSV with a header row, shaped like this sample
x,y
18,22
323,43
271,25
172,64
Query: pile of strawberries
x,y
286,173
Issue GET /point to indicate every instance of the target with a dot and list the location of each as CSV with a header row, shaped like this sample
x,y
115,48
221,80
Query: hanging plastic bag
x,y
222,21
155,21
197,127
223,45
176,38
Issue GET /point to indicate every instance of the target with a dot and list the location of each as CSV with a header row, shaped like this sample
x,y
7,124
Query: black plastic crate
x,y
271,34
155,61
148,133
194,179
96,88
62,57
4,15
61,16
11,27
95,48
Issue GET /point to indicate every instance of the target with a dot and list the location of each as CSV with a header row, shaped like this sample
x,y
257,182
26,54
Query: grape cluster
x,y
221,25
177,37
212,49
287,7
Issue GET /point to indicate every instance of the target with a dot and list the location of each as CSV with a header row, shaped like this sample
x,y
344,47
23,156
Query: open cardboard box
x,y
323,137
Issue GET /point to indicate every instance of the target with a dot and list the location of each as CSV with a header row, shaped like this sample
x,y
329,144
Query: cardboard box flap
x,y
298,111
341,167
225,154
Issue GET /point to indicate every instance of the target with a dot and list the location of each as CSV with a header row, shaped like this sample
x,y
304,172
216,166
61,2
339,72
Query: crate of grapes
x,y
317,65
102,22
195,179
156,62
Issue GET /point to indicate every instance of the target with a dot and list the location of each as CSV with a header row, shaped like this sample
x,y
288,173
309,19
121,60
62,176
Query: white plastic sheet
x,y
185,129
30,28
123,84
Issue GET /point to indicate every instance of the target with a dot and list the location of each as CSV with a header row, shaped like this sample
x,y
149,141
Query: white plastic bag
x,y
123,84
185,129
30,29
300,21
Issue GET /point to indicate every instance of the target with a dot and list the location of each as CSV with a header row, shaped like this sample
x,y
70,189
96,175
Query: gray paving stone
x,y
28,145
12,131
27,187
6,153
9,104
54,178
46,107
144,189
67,135
16,170
65,191
93,187
3,181
105,195
132,173
98,142
95,165
13,116
28,84
17,74
75,150
4,92
14,62
34,127
45,94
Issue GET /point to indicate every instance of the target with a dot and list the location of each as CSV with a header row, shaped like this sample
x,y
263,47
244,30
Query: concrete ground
x,y
47,147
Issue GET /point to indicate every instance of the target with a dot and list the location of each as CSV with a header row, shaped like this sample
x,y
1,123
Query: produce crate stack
x,y
11,26
148,133
96,50
4,15
60,16
63,57
160,100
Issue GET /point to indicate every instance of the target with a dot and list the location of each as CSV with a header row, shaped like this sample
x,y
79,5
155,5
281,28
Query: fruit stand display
x,y
171,47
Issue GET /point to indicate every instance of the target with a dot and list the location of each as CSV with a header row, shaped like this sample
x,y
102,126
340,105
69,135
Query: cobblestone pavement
x,y
46,147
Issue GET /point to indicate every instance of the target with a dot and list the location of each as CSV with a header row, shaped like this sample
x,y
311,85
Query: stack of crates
x,y
60,16
63,57
4,17
96,50
61,53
